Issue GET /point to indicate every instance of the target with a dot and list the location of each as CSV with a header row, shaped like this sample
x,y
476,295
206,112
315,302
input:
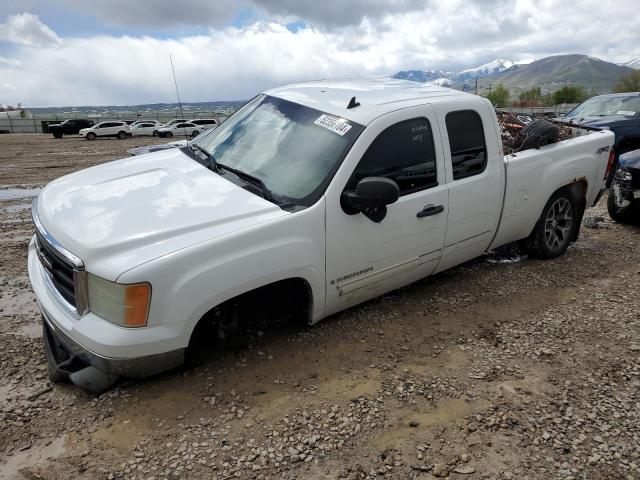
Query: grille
x,y
59,271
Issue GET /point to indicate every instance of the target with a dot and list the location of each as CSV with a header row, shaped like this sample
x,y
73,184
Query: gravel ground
x,y
502,368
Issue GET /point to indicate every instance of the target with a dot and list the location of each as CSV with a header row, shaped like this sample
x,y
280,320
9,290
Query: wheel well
x,y
290,300
578,190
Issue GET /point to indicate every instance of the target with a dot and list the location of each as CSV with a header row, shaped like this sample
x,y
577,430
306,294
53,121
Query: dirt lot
x,y
493,370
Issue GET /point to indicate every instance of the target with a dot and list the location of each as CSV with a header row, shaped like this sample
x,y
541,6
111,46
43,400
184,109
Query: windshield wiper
x,y
266,193
213,165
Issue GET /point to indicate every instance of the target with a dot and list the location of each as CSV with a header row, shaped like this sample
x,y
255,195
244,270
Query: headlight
x,y
623,174
124,305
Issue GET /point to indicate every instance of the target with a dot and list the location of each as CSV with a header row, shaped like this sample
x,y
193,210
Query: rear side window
x,y
404,153
467,143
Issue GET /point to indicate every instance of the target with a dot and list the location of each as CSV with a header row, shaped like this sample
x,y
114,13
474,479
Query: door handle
x,y
429,210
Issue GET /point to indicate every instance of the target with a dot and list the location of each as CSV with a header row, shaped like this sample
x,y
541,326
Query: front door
x,y
366,258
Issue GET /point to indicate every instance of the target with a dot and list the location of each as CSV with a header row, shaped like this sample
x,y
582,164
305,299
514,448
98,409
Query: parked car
x,y
205,122
165,146
174,121
181,129
145,128
106,129
69,127
307,198
619,112
624,197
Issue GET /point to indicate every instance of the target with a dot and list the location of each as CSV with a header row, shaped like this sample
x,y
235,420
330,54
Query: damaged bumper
x,y
94,372
626,188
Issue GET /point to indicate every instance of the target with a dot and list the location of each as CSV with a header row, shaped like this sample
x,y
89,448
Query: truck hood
x,y
608,121
630,159
127,212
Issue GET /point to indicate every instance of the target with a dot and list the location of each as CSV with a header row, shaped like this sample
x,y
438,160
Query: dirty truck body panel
x,y
167,237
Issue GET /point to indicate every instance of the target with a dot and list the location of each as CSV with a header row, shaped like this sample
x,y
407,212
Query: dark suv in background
x,y
69,127
619,112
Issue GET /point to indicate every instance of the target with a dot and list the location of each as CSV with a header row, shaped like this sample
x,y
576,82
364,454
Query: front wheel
x,y
91,136
155,133
168,134
57,135
195,133
618,215
555,228
122,135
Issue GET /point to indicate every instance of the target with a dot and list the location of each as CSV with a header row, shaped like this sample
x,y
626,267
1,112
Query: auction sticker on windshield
x,y
336,125
625,112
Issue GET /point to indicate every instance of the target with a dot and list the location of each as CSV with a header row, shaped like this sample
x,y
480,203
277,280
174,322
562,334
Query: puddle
x,y
15,193
447,413
122,436
16,208
505,255
30,330
29,458
365,385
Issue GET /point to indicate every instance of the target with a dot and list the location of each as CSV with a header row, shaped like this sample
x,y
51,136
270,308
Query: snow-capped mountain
x,y
635,63
449,78
434,76
495,66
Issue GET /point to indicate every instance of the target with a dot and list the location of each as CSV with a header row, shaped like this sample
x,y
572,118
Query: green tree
x,y
532,95
499,97
628,83
570,94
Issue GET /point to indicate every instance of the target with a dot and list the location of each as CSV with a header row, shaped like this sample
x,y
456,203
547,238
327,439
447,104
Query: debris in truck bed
x,y
512,124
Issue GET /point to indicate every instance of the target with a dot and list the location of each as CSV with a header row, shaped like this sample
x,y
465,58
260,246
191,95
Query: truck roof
x,y
376,96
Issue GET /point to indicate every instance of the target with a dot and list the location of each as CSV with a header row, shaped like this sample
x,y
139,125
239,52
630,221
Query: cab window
x,y
404,153
467,143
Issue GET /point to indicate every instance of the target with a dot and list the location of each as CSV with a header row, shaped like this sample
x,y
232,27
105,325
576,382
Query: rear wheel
x,y
122,135
57,134
91,136
168,134
195,133
555,228
155,133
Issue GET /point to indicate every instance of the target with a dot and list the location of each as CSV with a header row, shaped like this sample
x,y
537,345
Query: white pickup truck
x,y
305,197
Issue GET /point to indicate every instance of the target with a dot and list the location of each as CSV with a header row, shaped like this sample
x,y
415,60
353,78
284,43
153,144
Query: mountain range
x,y
549,73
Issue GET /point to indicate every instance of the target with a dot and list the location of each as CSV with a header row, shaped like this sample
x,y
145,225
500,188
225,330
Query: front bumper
x,y
77,342
70,356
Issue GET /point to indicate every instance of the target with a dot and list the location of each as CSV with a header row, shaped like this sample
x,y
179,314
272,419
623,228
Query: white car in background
x,y
106,129
204,122
182,129
174,121
143,128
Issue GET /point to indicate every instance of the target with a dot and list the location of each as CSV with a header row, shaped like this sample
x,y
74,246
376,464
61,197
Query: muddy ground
x,y
492,370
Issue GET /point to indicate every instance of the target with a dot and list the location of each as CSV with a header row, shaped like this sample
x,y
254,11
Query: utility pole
x,y
489,89
475,92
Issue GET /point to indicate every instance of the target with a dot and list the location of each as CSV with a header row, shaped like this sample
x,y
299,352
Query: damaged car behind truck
x,y
623,202
316,196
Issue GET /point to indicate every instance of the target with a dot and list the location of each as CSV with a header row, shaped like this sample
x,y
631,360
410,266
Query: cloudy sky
x,y
116,52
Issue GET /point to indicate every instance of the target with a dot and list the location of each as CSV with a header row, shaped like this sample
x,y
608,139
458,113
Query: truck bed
x,y
531,177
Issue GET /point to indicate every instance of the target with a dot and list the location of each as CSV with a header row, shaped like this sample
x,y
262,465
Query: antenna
x,y
176,84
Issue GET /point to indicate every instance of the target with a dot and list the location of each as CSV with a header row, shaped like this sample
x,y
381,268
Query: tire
x,y
617,215
57,135
195,133
537,134
122,135
155,133
91,136
55,375
555,228
168,134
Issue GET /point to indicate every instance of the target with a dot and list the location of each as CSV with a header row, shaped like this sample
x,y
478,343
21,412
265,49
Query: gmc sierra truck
x,y
317,196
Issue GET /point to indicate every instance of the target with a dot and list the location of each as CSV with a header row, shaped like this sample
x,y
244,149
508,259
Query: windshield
x,y
294,150
605,106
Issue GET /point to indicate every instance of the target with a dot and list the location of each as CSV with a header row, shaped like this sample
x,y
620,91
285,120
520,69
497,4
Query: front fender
x,y
188,283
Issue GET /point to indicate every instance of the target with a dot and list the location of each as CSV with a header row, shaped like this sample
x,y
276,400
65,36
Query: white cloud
x,y
27,29
237,63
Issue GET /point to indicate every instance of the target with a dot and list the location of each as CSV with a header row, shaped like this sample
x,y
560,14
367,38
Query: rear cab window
x,y
467,143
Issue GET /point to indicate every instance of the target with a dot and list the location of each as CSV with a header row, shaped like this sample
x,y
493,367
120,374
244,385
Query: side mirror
x,y
371,197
